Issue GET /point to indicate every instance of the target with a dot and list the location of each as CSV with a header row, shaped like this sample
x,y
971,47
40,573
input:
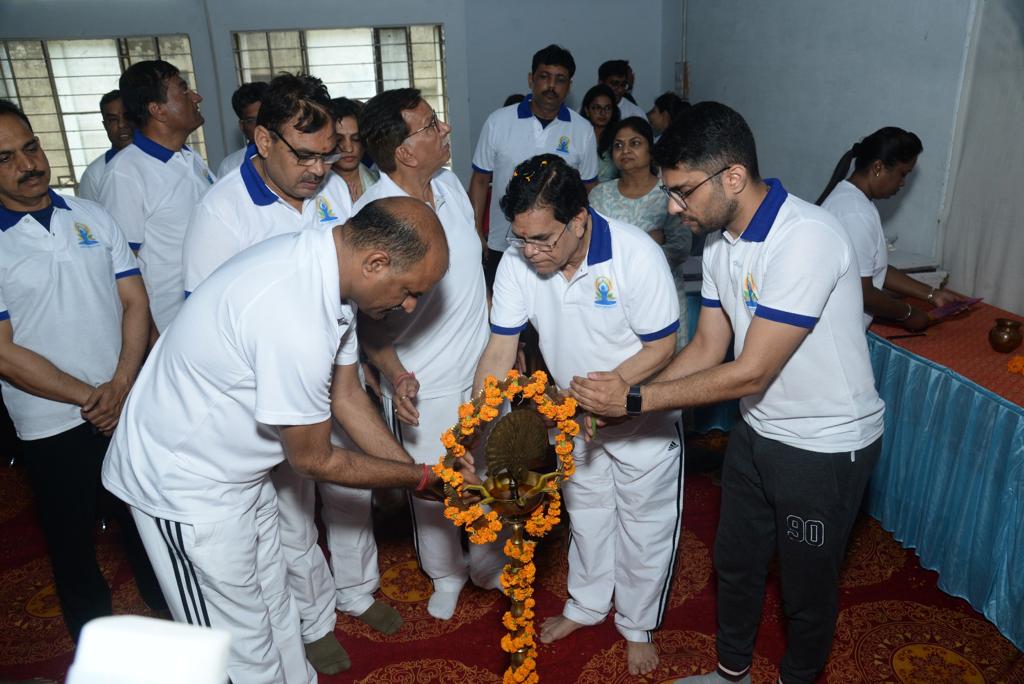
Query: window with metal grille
x,y
356,63
59,83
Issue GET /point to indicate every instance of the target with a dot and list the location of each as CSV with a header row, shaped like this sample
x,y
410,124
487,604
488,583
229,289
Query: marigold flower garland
x,y
518,575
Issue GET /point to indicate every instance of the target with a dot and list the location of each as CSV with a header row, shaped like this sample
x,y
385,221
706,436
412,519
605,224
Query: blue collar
x,y
764,217
261,195
525,112
9,218
109,154
600,239
152,148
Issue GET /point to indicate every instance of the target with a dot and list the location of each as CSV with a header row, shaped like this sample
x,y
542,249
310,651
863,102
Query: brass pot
x,y
1005,335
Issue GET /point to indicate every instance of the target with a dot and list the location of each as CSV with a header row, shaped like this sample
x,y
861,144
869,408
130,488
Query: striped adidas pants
x,y
625,506
231,575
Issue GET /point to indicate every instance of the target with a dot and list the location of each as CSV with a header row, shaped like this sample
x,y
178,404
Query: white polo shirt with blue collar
x,y
443,338
512,135
621,296
241,211
58,289
151,191
794,264
89,186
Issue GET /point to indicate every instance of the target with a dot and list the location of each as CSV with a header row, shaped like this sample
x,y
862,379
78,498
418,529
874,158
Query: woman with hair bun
x,y
881,163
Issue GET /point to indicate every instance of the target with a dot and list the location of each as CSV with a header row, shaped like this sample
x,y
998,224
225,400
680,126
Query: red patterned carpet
x,y
895,624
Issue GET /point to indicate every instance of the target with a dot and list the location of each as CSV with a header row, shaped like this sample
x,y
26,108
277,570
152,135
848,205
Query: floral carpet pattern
x,y
894,625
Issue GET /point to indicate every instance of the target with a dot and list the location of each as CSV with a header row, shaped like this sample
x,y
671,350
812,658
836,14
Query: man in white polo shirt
x,y
539,124
615,73
153,185
427,358
246,103
74,324
601,296
119,133
246,367
282,187
783,279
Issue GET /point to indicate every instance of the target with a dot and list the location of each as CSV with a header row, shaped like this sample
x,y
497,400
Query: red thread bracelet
x,y
401,377
423,480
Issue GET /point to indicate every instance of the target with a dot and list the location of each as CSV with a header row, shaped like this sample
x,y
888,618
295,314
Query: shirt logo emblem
x,y
750,292
603,291
563,145
85,236
323,210
209,177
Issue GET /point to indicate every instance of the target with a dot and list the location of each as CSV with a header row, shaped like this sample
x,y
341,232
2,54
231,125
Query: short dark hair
x,y
295,96
641,126
514,98
613,67
382,127
8,107
553,55
545,181
112,96
142,83
247,94
342,107
375,227
671,104
607,135
708,136
889,145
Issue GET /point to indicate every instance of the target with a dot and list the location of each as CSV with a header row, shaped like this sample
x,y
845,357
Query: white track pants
x,y
625,506
309,577
438,541
231,575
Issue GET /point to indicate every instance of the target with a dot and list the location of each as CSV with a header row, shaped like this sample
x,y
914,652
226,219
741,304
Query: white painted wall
x,y
983,240
488,43
813,77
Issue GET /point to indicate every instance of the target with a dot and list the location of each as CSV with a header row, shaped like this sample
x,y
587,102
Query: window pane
x,y
343,60
394,58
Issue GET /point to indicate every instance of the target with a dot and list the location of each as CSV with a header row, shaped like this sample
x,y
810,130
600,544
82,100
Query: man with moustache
x,y
74,323
426,359
152,186
286,185
539,124
782,286
241,383
119,133
246,103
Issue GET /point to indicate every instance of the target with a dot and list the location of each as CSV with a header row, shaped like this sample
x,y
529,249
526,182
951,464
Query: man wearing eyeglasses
x,y
601,296
285,185
152,186
427,358
783,282
246,103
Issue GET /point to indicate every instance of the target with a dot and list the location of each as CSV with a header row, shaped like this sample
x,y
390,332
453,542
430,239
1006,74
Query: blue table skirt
x,y
950,481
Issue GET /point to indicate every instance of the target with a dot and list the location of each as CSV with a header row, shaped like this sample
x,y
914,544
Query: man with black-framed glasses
x,y
285,185
781,285
601,296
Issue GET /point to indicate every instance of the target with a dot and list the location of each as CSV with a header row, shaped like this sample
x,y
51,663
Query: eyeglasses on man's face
x,y
309,158
680,197
433,123
539,245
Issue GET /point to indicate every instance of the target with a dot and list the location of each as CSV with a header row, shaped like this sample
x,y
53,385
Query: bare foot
x,y
642,657
557,627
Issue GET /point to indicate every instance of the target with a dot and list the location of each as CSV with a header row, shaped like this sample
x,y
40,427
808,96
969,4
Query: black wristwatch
x,y
634,402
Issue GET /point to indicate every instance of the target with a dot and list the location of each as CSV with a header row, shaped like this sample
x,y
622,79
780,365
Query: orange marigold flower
x,y
540,377
490,380
466,410
563,448
459,451
1016,364
448,439
569,427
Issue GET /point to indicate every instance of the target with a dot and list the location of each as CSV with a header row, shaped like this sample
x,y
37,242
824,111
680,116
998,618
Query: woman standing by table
x,y
881,163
